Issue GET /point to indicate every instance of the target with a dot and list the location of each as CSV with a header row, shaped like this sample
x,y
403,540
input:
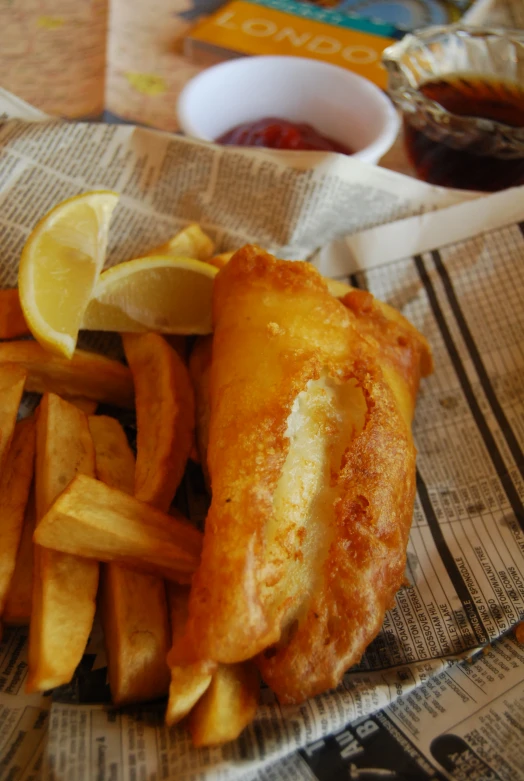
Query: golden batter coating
x,y
312,468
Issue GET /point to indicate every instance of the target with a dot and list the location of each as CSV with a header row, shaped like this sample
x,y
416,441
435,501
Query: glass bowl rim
x,y
402,93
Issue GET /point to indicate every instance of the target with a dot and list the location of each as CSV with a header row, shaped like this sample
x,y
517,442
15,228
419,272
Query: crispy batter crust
x,y
403,353
365,563
301,407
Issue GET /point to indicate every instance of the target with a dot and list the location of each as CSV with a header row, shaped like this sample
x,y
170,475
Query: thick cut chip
x,y
165,417
86,374
15,482
190,242
188,682
12,382
227,706
220,260
60,264
12,320
136,630
88,406
64,449
92,520
17,608
64,586
305,541
132,605
135,621
115,462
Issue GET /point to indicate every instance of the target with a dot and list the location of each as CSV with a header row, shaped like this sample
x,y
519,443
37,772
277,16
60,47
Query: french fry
x,y
136,630
165,415
132,605
17,609
190,242
188,682
15,482
64,587
12,382
220,260
115,462
92,520
227,707
85,374
12,320
64,449
89,406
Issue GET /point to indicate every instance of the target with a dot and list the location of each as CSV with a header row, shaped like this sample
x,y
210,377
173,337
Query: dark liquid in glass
x,y
438,163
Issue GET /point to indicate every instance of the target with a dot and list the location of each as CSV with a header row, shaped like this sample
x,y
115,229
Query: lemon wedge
x,y
59,267
170,295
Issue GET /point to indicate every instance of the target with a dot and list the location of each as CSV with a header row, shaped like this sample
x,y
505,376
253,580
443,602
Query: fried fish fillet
x,y
347,611
312,467
403,353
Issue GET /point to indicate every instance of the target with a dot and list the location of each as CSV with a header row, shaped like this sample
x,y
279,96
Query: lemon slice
x,y
59,267
170,295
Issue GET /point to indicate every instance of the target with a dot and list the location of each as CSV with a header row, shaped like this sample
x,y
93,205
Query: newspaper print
x,y
464,722
285,202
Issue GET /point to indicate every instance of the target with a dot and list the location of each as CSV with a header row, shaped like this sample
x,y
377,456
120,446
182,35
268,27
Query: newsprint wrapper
x,y
440,692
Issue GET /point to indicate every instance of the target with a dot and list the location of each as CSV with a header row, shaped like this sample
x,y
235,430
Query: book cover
x,y
348,33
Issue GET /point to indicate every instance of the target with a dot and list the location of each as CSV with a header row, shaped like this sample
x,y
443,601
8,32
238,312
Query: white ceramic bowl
x,y
337,102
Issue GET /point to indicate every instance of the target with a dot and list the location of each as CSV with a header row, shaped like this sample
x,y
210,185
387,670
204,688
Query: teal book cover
x,y
348,33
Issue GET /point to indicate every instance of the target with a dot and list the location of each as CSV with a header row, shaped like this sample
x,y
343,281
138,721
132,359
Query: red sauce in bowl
x,y
273,133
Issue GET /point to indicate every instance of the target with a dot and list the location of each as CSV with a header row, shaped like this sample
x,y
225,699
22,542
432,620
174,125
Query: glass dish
x,y
454,148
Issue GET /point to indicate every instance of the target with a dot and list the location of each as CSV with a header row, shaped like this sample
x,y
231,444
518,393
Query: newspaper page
x,y
463,723
465,557
283,200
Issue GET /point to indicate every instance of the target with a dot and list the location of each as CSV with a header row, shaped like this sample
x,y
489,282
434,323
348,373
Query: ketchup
x,y
274,133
